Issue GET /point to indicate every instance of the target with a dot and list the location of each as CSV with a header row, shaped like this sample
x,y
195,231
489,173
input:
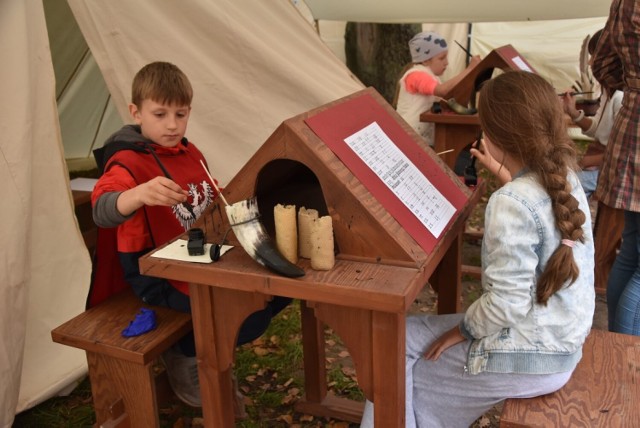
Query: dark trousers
x,y
157,291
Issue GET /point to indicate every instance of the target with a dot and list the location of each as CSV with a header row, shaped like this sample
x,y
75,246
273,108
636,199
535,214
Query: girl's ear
x,y
135,113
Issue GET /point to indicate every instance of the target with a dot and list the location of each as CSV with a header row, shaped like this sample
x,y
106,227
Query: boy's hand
x,y
444,342
159,191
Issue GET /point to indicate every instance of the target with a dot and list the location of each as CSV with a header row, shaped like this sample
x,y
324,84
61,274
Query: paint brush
x,y
214,183
573,94
464,49
444,152
185,205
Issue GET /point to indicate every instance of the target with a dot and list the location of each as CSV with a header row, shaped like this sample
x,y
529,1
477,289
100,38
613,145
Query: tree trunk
x,y
377,53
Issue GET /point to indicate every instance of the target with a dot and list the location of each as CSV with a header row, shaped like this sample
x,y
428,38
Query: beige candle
x,y
306,218
284,217
322,255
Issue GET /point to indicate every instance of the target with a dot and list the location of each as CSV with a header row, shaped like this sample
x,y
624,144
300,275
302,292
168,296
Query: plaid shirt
x,y
616,65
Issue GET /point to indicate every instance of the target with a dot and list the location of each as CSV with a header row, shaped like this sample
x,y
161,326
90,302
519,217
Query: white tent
x,y
550,46
252,64
455,10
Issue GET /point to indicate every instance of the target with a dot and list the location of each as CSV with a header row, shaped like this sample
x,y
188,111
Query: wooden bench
x,y
604,390
123,384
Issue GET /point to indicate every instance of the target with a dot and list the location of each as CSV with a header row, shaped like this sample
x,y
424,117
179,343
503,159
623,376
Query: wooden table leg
x,y
388,355
315,372
446,280
217,315
353,326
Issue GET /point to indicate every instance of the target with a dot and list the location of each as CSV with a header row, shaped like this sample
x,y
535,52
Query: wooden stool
x,y
604,390
123,384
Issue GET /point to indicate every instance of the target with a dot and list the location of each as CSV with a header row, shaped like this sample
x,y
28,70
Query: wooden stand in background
x,y
455,131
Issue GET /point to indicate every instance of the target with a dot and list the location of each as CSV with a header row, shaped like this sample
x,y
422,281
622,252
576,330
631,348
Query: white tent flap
x,y
455,10
45,266
252,65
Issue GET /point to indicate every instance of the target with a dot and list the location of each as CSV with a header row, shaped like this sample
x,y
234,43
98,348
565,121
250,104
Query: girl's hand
x,y
569,104
444,342
480,151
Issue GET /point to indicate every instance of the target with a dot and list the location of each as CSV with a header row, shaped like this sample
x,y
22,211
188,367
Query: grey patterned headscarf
x,y
426,45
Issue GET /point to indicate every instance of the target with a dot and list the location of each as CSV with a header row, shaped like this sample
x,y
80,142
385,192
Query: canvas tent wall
x,y
88,114
86,111
44,267
252,64
547,33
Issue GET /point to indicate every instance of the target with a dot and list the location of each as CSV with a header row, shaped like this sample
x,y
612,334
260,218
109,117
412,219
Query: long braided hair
x,y
521,113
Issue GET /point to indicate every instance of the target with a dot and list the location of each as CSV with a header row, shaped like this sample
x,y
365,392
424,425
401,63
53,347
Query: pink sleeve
x,y
420,83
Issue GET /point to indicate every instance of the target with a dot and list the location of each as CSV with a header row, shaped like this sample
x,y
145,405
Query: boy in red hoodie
x,y
152,190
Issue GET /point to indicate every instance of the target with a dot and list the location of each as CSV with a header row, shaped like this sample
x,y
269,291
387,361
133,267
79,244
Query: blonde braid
x,y
522,115
561,266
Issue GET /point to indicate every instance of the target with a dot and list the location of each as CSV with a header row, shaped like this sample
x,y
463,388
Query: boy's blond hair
x,y
161,82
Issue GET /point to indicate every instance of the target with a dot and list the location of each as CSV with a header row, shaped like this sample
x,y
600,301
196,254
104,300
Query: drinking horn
x,y
244,218
459,108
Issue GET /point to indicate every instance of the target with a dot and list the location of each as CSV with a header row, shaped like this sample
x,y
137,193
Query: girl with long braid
x,y
523,337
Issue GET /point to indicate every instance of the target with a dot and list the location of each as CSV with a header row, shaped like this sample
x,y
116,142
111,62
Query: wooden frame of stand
x,y
379,271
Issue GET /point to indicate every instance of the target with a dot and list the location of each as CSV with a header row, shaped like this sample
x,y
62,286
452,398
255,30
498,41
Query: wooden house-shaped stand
x,y
455,131
385,255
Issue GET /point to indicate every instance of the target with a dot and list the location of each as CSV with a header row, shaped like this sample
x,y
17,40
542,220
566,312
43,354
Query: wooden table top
x,y
358,284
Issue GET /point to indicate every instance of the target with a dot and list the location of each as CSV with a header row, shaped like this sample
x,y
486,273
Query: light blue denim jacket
x,y
510,332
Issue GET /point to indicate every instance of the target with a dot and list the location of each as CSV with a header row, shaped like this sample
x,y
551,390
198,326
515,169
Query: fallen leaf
x,y
286,418
484,422
260,351
294,391
349,371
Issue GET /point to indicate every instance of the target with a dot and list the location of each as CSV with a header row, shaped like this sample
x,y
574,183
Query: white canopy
x,y
398,11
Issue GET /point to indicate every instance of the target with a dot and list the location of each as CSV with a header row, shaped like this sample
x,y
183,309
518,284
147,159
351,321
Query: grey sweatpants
x,y
440,394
